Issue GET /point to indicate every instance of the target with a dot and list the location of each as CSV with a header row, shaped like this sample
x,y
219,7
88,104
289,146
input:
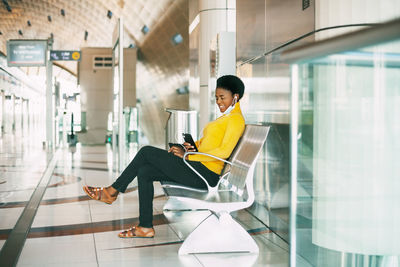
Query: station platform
x,y
69,229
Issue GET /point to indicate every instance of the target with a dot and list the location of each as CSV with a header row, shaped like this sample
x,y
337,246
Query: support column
x,y
18,114
215,16
2,116
12,113
49,100
8,113
28,116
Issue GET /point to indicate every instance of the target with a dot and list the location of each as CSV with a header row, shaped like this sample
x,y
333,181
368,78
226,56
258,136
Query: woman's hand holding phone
x,y
189,147
189,140
180,149
176,149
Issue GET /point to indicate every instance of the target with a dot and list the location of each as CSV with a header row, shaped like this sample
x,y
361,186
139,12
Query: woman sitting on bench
x,y
153,164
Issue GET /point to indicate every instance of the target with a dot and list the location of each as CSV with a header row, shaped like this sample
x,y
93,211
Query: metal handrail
x,y
284,45
210,188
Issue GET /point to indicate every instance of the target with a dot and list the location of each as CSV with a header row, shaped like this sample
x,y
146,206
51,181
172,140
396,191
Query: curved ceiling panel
x,y
163,65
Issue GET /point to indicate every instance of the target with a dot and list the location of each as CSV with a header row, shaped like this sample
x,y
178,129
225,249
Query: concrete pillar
x,y
49,103
12,112
96,93
97,90
18,114
9,113
215,16
27,115
2,116
130,57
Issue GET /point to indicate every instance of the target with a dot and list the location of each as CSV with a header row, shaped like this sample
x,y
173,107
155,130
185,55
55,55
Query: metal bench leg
x,y
218,234
175,204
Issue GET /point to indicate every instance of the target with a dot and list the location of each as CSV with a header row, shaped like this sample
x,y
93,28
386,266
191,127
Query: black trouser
x,y
153,164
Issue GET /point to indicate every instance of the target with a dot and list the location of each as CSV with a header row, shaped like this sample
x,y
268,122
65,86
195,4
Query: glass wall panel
x,y
346,173
267,101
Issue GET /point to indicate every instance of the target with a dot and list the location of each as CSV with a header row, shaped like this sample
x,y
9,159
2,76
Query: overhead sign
x,y
26,53
65,55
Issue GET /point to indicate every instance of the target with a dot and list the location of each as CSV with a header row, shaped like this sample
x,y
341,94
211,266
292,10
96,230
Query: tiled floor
x,y
71,230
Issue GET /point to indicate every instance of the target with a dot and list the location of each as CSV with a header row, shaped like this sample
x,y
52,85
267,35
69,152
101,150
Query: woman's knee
x,y
144,149
147,150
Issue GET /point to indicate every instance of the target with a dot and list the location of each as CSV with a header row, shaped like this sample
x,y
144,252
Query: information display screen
x,y
26,53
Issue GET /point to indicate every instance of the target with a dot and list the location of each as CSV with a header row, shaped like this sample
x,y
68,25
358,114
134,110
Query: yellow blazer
x,y
219,139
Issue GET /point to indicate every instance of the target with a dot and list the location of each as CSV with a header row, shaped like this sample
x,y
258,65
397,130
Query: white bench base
x,y
218,234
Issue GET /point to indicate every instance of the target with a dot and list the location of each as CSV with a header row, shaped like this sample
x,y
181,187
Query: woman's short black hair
x,y
231,83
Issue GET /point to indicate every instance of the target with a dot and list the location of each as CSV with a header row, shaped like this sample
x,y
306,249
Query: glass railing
x,y
345,145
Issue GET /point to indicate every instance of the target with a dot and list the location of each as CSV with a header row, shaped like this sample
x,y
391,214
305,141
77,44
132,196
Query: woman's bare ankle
x,y
112,191
145,229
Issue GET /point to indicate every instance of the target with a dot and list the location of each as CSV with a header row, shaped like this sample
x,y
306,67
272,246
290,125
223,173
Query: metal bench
x,y
219,232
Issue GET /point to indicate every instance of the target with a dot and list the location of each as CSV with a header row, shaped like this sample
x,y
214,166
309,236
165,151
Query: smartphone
x,y
176,144
189,139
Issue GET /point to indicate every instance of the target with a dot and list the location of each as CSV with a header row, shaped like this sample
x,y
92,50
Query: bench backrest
x,y
245,154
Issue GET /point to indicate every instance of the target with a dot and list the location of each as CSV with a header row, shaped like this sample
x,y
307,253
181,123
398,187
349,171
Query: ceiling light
x,y
86,35
182,90
49,18
62,12
29,23
109,14
177,39
20,32
145,29
7,5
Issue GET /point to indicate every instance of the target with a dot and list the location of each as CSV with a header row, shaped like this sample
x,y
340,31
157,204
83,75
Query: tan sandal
x,y
137,231
99,193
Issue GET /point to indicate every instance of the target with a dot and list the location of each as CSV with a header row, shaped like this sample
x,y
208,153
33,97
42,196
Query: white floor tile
x,y
110,240
147,257
126,206
20,181
184,222
272,259
65,250
60,264
15,196
62,214
9,217
228,259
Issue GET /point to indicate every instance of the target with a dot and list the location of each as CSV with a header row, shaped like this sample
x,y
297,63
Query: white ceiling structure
x,y
163,66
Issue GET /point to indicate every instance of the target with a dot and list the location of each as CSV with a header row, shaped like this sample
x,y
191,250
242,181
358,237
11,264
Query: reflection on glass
x,y
347,179
266,102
